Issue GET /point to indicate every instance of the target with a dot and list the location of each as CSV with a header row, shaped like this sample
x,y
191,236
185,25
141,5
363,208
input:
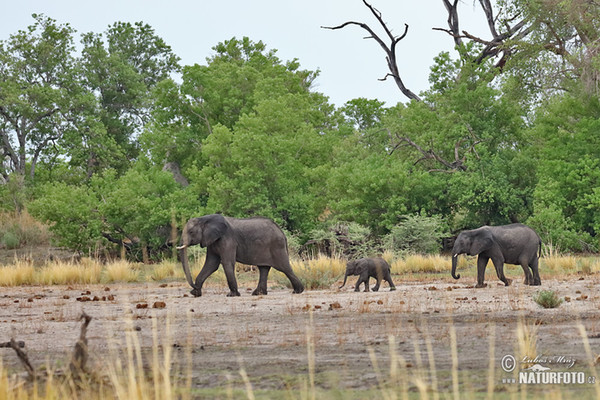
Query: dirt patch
x,y
270,336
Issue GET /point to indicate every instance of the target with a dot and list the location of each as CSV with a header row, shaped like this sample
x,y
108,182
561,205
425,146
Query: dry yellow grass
x,y
120,271
21,273
61,273
425,263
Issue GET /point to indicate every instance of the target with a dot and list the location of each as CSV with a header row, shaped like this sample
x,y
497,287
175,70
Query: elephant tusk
x,y
454,256
181,247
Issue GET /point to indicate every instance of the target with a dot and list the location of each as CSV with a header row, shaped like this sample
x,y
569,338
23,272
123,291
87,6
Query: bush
x,y
10,240
349,239
418,234
547,299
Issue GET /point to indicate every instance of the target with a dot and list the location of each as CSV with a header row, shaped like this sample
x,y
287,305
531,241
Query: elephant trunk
x,y
186,268
454,262
345,277
184,258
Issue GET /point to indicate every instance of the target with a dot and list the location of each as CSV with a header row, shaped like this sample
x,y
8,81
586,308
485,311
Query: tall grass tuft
x,y
120,271
527,335
20,273
317,273
424,263
61,273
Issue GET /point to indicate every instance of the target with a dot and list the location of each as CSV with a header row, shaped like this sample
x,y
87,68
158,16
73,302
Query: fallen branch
x,y
16,346
20,343
80,351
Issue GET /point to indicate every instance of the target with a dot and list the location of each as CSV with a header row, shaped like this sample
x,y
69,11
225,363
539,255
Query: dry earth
x,y
267,336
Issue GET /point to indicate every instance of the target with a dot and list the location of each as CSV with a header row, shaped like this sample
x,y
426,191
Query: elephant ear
x,y
214,228
481,242
360,268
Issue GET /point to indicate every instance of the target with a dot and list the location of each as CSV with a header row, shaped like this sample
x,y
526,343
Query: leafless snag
x,y
497,46
80,351
389,49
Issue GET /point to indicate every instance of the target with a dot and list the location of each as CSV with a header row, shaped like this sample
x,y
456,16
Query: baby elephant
x,y
377,268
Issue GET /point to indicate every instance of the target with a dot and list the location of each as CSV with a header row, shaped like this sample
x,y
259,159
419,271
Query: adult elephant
x,y
512,244
254,241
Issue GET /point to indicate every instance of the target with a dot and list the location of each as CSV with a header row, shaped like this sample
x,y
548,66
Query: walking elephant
x,y
367,268
512,244
254,241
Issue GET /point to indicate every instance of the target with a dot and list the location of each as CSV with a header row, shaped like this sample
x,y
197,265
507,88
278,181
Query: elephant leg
x,y
377,284
536,273
211,264
229,267
358,282
365,279
283,265
499,265
388,278
528,277
481,264
262,280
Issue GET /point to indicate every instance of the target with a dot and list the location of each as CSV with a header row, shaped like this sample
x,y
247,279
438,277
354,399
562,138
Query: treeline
x,y
118,143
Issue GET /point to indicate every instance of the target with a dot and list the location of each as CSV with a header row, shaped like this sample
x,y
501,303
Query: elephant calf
x,y
367,268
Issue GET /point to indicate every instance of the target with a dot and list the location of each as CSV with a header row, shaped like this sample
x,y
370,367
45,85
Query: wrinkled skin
x,y
512,244
253,241
367,268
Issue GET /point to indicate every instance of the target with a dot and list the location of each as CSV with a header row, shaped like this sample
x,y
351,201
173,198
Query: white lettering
x,y
551,378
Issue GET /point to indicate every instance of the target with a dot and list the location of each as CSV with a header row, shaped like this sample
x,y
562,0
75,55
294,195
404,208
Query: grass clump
x,y
21,273
547,299
65,273
120,271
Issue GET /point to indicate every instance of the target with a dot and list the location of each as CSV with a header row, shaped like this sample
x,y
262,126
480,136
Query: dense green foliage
x,y
108,147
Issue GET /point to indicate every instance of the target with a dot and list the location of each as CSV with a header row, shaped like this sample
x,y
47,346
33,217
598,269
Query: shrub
x,y
340,238
10,240
547,299
418,234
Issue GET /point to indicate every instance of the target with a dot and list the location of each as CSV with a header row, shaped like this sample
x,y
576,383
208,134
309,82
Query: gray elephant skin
x,y
253,241
511,244
367,268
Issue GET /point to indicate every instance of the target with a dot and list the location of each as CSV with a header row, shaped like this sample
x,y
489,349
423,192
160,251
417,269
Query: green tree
x,y
567,139
37,92
121,68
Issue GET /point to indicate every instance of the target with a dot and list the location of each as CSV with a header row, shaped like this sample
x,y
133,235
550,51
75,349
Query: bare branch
x,y
16,346
80,352
389,49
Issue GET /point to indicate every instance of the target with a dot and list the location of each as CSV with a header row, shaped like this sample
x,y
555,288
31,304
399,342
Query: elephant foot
x,y
298,291
480,285
392,288
357,290
259,292
536,283
507,282
233,294
196,292
375,289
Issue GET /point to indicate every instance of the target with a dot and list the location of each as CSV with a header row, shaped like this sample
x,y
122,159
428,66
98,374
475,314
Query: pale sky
x,y
350,65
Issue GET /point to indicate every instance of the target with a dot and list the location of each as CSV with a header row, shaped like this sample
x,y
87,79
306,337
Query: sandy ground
x,y
270,336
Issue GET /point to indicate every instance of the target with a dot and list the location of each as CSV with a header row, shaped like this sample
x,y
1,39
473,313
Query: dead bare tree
x,y
388,48
512,29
